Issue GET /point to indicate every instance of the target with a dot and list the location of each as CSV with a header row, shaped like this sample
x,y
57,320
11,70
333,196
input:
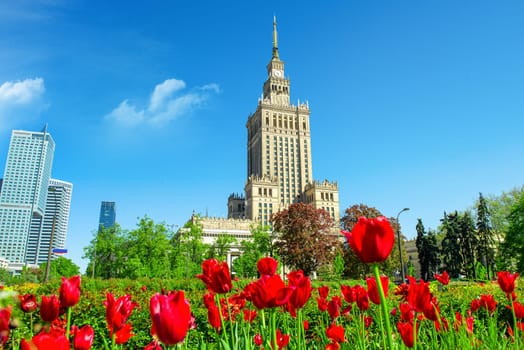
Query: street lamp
x,y
400,246
51,239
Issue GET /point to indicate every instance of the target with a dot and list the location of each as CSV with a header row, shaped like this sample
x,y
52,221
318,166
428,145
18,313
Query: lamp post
x,y
51,239
400,246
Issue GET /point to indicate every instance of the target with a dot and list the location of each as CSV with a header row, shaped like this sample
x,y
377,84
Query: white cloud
x,y
164,91
21,92
166,103
21,100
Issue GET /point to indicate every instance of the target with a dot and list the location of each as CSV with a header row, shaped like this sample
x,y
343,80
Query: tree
x,y
451,252
106,252
306,238
61,266
421,244
258,246
468,244
188,249
221,247
486,241
147,250
513,246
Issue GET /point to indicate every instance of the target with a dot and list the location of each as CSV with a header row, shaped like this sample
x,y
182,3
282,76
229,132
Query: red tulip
x,y
322,304
28,302
83,337
368,320
282,340
459,321
519,309
475,305
268,292
306,325
488,302
406,333
444,278
373,291
301,291
152,346
348,293
213,316
5,316
334,307
407,314
371,239
506,281
267,266
333,346
123,334
362,297
70,291
171,315
419,295
118,311
216,276
323,292
54,340
49,308
336,333
257,339
249,315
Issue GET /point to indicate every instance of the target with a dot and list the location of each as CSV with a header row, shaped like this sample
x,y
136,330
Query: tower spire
x,y
275,38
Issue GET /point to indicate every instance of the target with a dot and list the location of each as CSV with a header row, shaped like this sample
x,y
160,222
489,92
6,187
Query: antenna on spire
x,y
275,37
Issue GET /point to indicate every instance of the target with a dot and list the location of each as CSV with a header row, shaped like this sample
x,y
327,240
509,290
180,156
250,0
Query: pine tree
x,y
486,244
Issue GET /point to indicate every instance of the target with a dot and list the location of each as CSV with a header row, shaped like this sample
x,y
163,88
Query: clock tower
x,y
276,87
279,164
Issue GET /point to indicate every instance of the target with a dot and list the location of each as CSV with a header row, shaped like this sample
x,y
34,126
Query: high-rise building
x,y
107,215
24,190
52,226
279,163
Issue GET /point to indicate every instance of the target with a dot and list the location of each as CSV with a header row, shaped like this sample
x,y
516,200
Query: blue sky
x,y
413,104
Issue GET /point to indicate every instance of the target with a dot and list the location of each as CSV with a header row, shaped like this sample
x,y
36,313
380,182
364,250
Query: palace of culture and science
x,y
279,163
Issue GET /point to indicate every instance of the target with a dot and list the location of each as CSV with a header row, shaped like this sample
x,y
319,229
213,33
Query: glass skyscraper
x,y
57,209
24,190
107,215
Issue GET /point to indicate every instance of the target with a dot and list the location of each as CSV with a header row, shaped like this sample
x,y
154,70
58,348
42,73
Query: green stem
x,y
515,327
274,328
68,327
415,331
300,329
383,306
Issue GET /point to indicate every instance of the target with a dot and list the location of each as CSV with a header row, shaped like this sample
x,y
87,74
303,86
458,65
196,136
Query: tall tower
x,y
53,224
278,146
24,190
107,215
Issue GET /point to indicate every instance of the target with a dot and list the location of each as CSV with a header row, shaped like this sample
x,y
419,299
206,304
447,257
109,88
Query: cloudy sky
x,y
414,104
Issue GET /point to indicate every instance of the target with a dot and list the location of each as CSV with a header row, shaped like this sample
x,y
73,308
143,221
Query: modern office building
x,y
24,190
107,215
279,162
52,227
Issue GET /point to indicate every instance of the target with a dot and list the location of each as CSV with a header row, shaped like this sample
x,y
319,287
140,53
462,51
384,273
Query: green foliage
x,y
188,249
427,252
513,246
60,266
486,241
147,249
221,247
106,253
258,246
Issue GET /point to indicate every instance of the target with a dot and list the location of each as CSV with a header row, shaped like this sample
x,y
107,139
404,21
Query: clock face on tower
x,y
277,73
